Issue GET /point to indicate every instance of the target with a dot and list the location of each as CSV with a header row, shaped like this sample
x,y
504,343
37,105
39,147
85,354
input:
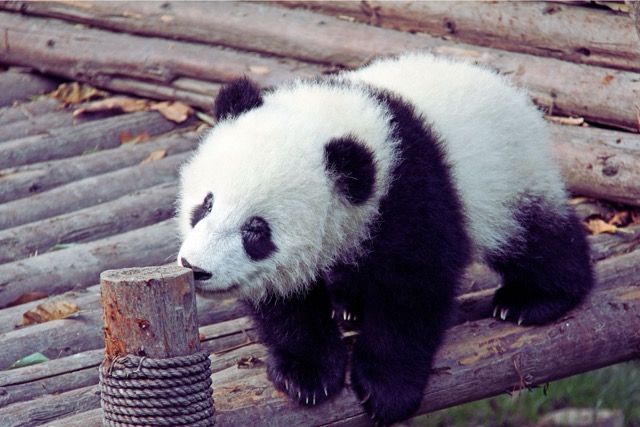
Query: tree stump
x,y
154,372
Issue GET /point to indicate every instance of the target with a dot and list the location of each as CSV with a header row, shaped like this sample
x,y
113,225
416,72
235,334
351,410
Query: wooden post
x,y
149,312
155,372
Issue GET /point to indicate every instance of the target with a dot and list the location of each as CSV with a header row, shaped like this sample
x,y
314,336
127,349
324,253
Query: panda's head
x,y
283,187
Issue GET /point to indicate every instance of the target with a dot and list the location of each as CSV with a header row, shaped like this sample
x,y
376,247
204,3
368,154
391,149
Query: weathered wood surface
x,y
20,85
600,94
149,312
35,178
80,265
74,140
563,31
211,43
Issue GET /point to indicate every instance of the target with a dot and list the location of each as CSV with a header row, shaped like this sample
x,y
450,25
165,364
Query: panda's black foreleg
x,y
550,276
307,358
403,323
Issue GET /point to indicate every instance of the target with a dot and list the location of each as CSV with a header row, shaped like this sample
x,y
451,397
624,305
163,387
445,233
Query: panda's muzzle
x,y
198,273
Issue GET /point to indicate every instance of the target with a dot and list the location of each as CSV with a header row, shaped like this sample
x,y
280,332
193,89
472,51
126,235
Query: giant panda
x,y
364,196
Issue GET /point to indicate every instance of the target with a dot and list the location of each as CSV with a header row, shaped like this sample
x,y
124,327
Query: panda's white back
x,y
494,138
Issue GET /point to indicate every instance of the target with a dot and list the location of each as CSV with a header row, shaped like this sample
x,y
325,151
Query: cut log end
x,y
149,312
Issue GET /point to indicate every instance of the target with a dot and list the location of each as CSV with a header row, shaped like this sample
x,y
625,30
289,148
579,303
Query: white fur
x,y
495,139
270,162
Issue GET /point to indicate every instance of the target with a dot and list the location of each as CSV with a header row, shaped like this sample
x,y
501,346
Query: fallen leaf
x,y
156,155
50,310
74,93
127,139
32,359
598,226
621,218
167,19
119,103
27,297
260,70
177,111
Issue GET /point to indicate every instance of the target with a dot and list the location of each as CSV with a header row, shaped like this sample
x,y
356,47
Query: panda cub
x,y
364,196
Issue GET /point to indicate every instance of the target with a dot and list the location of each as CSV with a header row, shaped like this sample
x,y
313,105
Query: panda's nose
x,y
198,273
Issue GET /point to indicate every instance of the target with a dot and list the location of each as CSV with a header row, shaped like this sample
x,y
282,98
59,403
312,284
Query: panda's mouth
x,y
204,288
201,275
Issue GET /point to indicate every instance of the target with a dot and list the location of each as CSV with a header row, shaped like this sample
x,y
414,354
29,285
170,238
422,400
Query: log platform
x,y
86,188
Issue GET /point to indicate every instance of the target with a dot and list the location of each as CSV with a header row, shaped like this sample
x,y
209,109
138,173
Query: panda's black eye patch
x,y
256,238
202,210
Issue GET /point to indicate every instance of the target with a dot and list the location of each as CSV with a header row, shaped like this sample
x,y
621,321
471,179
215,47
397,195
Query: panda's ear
x,y
351,166
237,97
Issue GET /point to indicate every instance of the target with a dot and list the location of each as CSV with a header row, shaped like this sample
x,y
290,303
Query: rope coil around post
x,y
174,391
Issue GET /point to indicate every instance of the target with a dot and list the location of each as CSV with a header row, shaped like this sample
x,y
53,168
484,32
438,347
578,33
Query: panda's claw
x,y
504,313
495,311
333,314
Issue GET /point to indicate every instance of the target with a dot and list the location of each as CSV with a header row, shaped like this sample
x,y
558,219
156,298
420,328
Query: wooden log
x,y
31,179
595,163
54,376
74,140
567,32
80,265
149,312
93,55
18,85
132,211
52,407
27,110
478,360
44,123
192,94
89,191
601,95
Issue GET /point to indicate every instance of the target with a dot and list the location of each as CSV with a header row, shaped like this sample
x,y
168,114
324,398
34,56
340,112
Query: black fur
x,y
256,238
553,272
202,210
239,96
353,169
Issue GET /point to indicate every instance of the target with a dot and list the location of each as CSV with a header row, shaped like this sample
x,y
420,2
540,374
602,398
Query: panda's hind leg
x,y
551,272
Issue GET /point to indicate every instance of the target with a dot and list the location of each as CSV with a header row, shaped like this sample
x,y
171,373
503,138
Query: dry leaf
x,y
175,111
597,226
621,218
50,310
259,69
156,155
74,93
120,103
167,19
127,139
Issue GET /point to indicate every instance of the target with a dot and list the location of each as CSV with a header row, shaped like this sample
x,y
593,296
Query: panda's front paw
x,y
386,397
309,382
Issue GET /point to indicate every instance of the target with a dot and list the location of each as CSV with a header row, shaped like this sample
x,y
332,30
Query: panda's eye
x,y
256,238
202,210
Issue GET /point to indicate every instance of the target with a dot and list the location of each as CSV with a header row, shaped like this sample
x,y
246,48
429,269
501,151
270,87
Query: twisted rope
x,y
175,391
